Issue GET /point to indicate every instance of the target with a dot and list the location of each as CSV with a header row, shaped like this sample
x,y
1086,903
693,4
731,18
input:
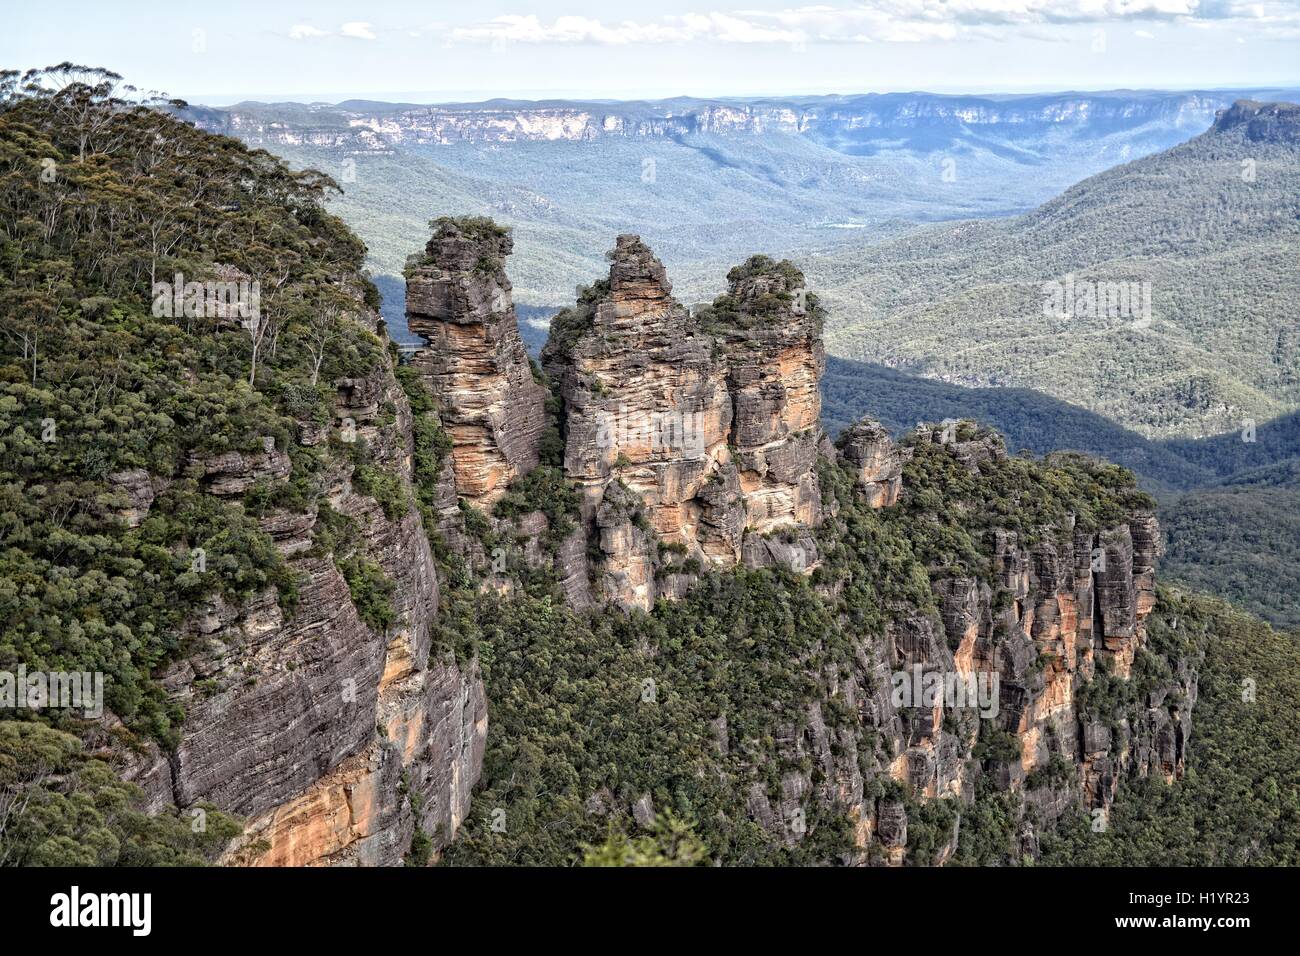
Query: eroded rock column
x,y
771,328
647,413
458,298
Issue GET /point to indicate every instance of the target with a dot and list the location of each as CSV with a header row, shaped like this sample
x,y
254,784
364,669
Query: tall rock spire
x,y
458,299
771,328
694,438
646,410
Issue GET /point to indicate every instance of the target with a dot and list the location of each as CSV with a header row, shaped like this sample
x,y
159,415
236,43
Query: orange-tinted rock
x,y
877,462
771,330
282,711
458,298
707,425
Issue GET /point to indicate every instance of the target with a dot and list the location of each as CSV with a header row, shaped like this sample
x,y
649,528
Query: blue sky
x,y
219,52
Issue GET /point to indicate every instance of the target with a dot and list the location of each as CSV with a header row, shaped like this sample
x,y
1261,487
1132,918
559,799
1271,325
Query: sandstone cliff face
x,y
333,739
775,361
1057,610
458,298
1260,122
694,437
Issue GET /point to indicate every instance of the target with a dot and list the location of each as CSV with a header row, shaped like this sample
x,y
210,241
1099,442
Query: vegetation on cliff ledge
x,y
695,704
112,404
1239,802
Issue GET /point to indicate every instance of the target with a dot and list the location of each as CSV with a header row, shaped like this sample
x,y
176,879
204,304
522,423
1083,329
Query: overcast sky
x,y
220,52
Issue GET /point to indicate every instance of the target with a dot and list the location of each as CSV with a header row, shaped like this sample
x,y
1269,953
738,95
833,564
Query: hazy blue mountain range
x,y
706,182
1207,229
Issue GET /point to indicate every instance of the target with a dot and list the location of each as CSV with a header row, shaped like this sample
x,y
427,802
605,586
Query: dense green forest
x,y
593,712
1229,505
101,195
1241,542
1239,803
1211,225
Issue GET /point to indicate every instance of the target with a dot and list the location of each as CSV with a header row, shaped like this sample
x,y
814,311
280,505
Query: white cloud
x,y
890,21
513,28
357,29
1144,34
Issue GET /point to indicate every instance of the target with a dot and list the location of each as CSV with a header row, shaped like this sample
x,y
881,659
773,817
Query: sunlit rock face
x,y
647,412
771,333
458,298
707,424
876,461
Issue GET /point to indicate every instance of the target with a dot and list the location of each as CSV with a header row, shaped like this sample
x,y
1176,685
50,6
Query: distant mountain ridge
x,y
1207,230
707,182
1269,455
862,124
1261,122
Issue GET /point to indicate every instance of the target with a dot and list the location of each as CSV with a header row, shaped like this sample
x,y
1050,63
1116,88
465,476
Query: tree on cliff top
x,y
101,193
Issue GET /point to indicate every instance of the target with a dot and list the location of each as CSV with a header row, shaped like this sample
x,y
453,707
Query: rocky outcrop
x,y
1260,122
1072,598
458,299
628,545
137,490
335,739
692,442
771,330
647,419
877,462
690,435
1026,646
233,473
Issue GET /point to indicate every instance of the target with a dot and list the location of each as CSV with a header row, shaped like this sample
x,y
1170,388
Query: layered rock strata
x,y
458,298
692,438
772,337
1062,604
334,740
876,460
